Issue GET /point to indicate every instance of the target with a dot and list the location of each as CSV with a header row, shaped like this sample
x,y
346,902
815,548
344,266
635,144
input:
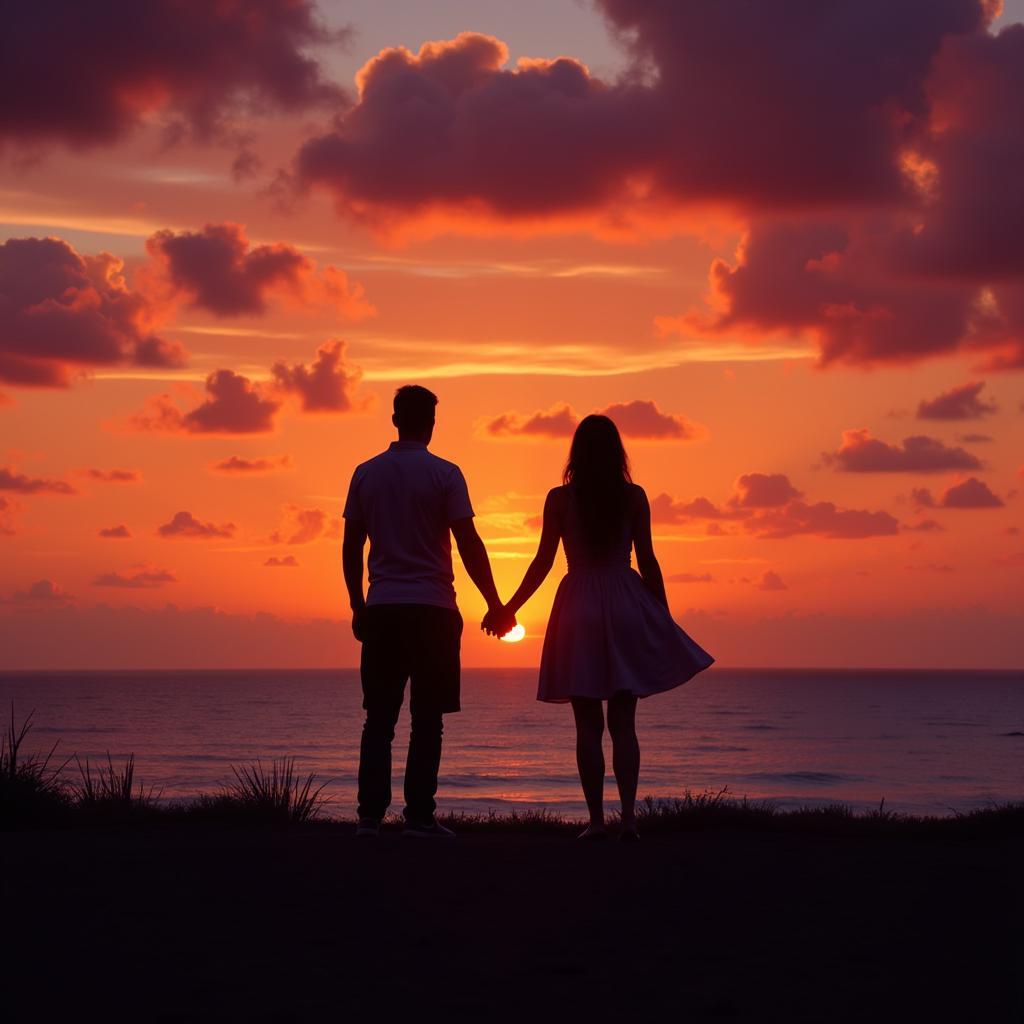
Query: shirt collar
x,y
407,446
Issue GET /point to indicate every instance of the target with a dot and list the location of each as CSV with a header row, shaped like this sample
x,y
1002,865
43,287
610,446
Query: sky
x,y
778,243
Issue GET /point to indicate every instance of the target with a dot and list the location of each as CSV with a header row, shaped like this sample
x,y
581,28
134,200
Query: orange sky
x,y
498,315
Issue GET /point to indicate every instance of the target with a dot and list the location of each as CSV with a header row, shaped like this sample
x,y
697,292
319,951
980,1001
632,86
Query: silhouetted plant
x,y
32,787
111,791
277,793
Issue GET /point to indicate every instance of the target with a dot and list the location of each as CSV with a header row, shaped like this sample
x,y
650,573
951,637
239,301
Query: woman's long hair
x,y
597,474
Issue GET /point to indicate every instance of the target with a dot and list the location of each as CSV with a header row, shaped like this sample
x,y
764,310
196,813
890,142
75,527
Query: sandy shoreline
x,y
179,921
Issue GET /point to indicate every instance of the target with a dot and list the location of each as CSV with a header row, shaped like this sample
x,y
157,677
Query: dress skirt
x,y
608,634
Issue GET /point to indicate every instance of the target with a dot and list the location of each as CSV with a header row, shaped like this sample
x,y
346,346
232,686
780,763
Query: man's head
x,y
414,413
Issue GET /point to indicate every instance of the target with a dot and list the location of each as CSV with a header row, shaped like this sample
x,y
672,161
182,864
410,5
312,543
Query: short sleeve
x,y
353,508
457,504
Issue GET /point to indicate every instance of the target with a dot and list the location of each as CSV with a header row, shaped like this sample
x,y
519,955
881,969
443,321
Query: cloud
x,y
6,517
145,579
667,511
640,419
217,269
42,593
922,497
90,77
972,493
115,532
770,581
305,525
114,476
184,524
862,453
763,490
821,519
10,480
959,403
976,438
287,562
327,385
689,577
238,464
233,405
62,314
925,525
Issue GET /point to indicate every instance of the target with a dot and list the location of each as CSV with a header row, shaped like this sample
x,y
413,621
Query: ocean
x,y
927,742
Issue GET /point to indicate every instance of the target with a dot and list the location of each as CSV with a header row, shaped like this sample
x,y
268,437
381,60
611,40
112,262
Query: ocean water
x,y
925,741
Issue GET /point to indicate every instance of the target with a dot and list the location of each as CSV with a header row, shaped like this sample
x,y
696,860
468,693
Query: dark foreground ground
x,y
177,921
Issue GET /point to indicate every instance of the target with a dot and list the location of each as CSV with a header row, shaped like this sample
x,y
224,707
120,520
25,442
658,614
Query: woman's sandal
x,y
591,834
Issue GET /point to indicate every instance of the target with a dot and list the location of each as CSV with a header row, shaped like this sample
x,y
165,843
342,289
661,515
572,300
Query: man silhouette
x,y
406,500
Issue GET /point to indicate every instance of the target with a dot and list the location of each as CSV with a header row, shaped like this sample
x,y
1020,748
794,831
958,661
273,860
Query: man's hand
x,y
358,622
498,621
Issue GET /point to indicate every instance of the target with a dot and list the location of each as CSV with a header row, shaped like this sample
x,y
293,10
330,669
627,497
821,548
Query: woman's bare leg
x,y
625,753
590,757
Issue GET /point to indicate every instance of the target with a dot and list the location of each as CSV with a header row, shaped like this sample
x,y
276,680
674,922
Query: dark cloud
x,y
43,593
972,493
62,313
925,525
821,519
862,453
327,385
6,517
238,464
922,497
87,74
144,579
640,419
689,577
665,510
763,490
11,480
286,562
115,532
216,269
960,403
184,524
976,438
233,405
770,581
114,476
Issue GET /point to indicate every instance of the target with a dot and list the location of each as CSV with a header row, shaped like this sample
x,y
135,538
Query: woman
x,y
611,636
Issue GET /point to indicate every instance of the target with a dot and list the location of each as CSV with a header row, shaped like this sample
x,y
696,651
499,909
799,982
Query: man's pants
x,y
420,644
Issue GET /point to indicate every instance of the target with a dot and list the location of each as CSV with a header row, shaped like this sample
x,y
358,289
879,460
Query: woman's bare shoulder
x,y
557,496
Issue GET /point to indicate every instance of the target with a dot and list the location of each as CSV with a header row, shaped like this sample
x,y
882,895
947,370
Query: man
x,y
406,500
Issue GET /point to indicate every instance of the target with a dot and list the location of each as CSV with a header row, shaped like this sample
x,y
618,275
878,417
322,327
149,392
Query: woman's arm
x,y
646,563
550,534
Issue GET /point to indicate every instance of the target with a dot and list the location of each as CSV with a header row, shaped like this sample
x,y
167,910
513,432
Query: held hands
x,y
498,621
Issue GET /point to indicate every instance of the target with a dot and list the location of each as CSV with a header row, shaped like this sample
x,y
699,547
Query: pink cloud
x,y
145,579
6,517
862,453
98,75
305,525
959,403
558,421
689,577
327,385
972,493
184,524
237,464
667,511
218,270
62,314
924,526
821,519
11,480
42,593
120,532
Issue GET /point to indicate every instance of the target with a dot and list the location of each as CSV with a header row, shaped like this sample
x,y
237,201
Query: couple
x,y
610,636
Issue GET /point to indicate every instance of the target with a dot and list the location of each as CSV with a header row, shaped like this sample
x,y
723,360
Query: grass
x,y
34,791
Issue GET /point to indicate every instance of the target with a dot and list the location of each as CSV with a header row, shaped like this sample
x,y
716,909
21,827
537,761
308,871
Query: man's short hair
x,y
414,407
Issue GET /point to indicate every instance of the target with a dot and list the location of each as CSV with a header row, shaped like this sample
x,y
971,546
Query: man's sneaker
x,y
368,828
434,830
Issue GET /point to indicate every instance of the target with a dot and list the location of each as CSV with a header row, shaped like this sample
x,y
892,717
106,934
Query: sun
x,y
514,635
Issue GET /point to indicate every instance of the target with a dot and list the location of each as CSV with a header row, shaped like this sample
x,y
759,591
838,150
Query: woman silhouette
x,y
610,635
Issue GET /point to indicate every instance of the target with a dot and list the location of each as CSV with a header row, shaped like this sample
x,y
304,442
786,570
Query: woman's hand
x,y
498,621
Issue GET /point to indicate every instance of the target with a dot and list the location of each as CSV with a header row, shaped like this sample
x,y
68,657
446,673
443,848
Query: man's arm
x,y
478,565
352,566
